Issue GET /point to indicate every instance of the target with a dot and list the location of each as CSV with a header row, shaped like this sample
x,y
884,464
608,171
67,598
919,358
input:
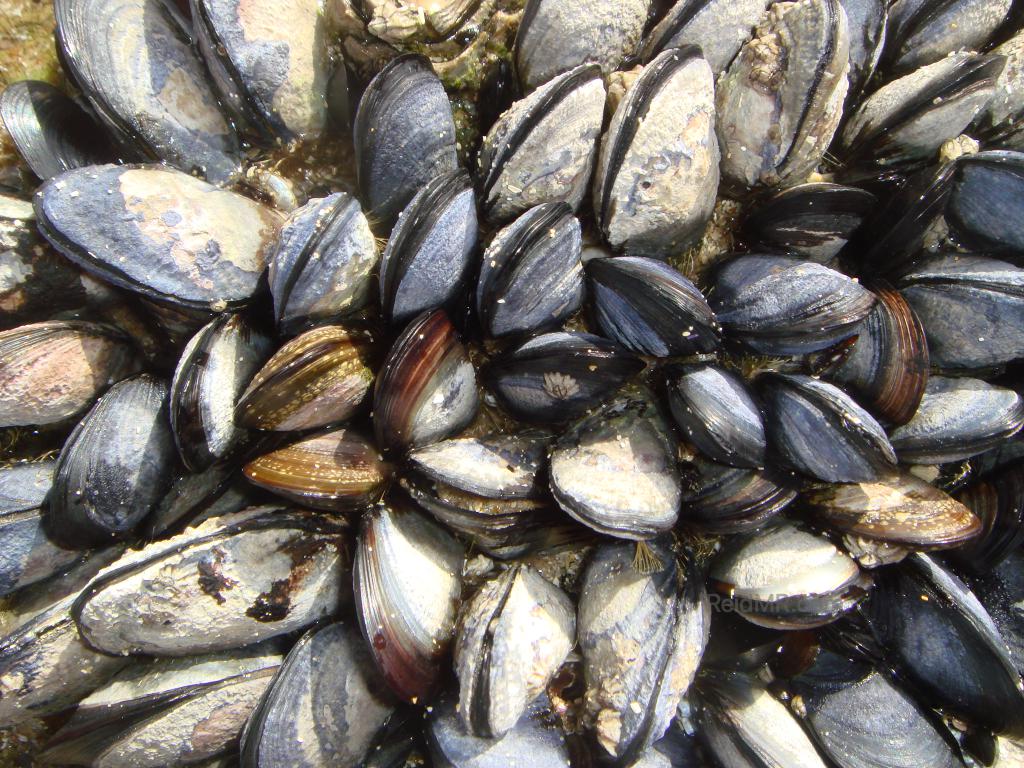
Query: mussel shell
x,y
557,377
46,666
999,124
907,120
649,307
718,414
532,740
316,379
426,390
27,553
868,20
408,579
50,130
957,419
214,368
615,469
924,32
497,466
323,263
115,466
565,113
531,278
785,578
191,244
902,510
744,726
324,707
502,528
270,64
719,27
193,498
984,206
134,61
780,305
642,637
401,23
657,172
427,259
337,470
888,365
514,634
54,370
972,309
852,710
556,36
998,500
814,221
923,617
237,579
160,713
404,135
718,498
1002,593
822,432
780,102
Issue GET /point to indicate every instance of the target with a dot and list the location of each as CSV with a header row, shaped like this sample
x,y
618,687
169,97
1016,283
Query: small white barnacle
x,y
560,386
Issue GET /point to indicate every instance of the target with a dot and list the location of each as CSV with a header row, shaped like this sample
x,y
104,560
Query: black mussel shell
x,y
957,419
985,208
718,498
27,553
657,171
159,712
642,636
557,377
940,639
50,130
324,261
783,577
566,114
921,33
744,726
408,579
135,63
192,498
52,371
821,431
887,369
324,707
999,501
615,469
890,241
238,579
214,368
868,20
719,27
556,36
426,390
159,232
861,719
718,414
1002,593
531,278
780,305
270,66
907,120
814,221
649,307
972,310
428,257
404,136
116,464
337,470
316,379
514,634
902,510
496,466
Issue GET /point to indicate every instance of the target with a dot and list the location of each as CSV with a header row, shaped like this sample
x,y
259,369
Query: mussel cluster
x,y
657,409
